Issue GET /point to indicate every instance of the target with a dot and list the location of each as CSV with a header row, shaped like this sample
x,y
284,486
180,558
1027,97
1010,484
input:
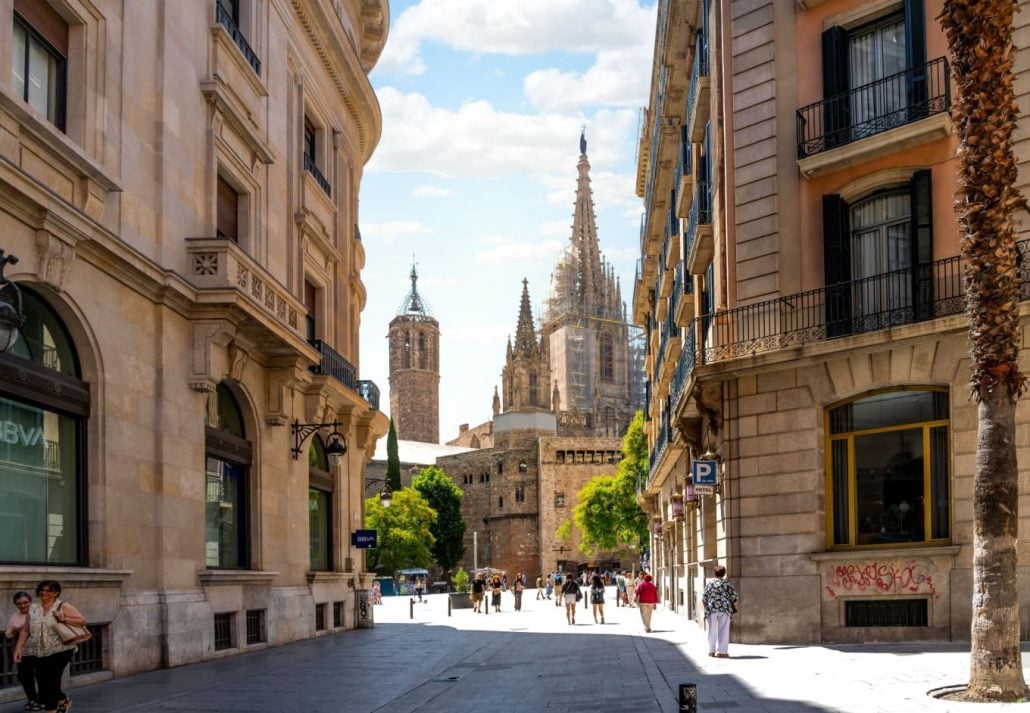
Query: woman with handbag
x,y
570,595
720,602
53,629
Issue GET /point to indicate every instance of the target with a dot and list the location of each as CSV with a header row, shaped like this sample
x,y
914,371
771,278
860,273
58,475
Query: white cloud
x,y
389,231
520,252
618,77
557,228
515,27
491,335
431,192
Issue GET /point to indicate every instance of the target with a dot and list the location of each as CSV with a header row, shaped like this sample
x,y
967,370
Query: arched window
x,y
888,476
228,458
44,407
532,388
320,507
422,360
607,359
406,358
881,255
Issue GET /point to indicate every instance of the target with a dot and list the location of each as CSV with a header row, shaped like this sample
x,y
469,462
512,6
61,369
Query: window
x,y
256,627
43,412
888,474
520,494
309,142
500,501
533,401
311,161
228,211
883,246
320,617
422,361
311,305
559,500
227,13
607,359
39,59
225,634
320,507
226,489
500,468
337,615
407,351
877,51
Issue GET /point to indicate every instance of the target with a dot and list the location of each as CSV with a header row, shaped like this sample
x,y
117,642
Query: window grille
x,y
337,615
256,633
886,612
224,635
320,617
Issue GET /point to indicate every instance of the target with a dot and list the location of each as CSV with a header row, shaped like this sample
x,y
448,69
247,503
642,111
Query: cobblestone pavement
x,y
534,661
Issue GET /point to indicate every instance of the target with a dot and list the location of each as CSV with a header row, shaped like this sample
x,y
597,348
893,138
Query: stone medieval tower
x,y
586,333
415,369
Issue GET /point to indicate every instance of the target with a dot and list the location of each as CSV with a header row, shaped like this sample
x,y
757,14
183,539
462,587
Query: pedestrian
x,y
27,667
720,602
540,587
548,587
495,593
570,595
504,583
597,597
377,593
647,597
558,597
517,591
40,638
620,589
478,587
420,585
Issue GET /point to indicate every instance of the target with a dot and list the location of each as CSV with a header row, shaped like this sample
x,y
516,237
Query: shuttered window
x,y
228,211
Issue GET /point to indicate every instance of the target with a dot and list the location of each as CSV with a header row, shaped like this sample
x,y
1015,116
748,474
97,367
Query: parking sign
x,y
705,472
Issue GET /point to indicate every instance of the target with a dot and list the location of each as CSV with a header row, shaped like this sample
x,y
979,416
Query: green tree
x,y
607,513
449,529
402,530
393,460
980,36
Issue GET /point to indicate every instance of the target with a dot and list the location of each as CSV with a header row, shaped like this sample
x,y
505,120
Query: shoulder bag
x,y
71,634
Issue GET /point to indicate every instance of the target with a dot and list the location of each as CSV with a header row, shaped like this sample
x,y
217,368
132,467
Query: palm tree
x,y
979,34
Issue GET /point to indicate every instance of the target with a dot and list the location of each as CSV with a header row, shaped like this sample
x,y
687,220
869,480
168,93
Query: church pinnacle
x,y
525,337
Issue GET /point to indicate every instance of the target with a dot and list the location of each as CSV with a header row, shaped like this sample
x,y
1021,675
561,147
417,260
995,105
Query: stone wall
x,y
415,379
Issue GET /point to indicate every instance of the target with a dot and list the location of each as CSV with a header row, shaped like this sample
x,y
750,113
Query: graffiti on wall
x,y
873,577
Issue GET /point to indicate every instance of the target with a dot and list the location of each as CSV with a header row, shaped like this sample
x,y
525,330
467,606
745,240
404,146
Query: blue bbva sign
x,y
363,539
705,472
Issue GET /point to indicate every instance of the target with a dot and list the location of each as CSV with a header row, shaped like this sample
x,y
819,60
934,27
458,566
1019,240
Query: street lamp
x,y
385,495
11,317
336,449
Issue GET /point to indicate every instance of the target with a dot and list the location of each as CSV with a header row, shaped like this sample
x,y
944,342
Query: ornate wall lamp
x,y
334,451
11,316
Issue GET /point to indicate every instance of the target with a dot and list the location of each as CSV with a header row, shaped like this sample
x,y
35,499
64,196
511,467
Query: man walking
x,y
478,587
720,602
647,597
539,587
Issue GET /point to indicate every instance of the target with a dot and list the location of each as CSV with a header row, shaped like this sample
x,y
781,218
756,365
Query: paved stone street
x,y
534,661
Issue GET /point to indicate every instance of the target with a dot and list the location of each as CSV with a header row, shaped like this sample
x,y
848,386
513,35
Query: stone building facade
x,y
415,369
181,191
800,281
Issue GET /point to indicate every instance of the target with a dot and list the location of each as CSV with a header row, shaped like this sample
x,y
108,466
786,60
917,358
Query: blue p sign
x,y
704,472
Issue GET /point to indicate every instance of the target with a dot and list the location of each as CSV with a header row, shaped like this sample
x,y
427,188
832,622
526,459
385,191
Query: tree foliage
x,y
403,531
449,529
980,37
393,460
607,513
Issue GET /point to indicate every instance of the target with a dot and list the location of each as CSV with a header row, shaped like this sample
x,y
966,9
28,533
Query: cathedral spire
x,y
586,253
525,338
413,303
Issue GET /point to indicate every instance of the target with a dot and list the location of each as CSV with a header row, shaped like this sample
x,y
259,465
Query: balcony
x,y
699,93
226,21
333,365
871,304
699,245
684,285
684,366
311,167
685,177
903,110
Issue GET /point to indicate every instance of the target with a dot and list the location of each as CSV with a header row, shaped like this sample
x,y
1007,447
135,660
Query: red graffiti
x,y
882,576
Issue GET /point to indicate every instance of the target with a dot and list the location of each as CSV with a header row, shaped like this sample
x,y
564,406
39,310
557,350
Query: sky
x,y
474,177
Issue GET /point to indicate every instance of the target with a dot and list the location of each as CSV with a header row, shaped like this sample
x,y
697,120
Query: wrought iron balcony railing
x,y
657,109
700,214
334,365
311,167
685,364
700,69
873,108
870,304
660,441
226,21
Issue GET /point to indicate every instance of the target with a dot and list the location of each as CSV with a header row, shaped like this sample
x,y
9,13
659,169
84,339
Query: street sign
x,y
705,472
704,489
363,539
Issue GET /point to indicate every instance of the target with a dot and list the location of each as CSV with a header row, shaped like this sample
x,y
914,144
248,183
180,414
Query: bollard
x,y
486,604
448,605
411,608
688,698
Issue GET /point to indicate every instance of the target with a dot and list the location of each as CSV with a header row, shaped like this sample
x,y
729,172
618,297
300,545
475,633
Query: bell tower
x,y
415,369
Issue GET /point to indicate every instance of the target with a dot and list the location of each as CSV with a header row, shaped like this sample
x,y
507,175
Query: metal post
x,y
688,698
411,608
475,553
448,605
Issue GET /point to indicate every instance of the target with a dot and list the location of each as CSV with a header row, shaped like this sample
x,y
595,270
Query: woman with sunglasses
x,y
27,666
41,639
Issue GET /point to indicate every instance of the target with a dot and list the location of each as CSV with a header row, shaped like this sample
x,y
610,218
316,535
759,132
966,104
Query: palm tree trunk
x,y
980,37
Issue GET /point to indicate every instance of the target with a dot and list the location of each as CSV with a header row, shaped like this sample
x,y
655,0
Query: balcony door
x,y
877,56
881,258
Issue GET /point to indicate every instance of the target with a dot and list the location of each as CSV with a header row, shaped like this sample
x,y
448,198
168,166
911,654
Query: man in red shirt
x,y
647,597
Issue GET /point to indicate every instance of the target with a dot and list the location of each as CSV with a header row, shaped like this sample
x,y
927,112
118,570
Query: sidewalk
x,y
534,661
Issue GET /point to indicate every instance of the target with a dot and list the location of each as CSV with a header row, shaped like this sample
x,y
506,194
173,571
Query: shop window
x,y
43,414
39,52
320,507
888,478
226,483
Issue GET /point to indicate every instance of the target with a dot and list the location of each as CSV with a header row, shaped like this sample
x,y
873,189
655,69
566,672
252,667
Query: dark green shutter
x,y
922,244
915,50
835,84
837,265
